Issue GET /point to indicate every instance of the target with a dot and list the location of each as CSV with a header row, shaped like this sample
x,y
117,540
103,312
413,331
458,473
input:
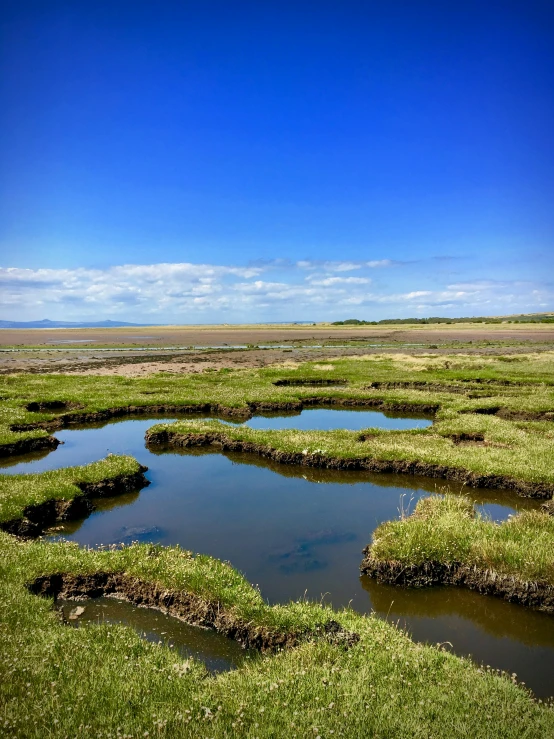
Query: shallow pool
x,y
298,531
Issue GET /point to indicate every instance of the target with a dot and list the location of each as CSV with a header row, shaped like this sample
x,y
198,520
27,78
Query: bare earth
x,y
182,349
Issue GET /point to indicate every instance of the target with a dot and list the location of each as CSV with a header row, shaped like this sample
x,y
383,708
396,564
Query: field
x,y
320,672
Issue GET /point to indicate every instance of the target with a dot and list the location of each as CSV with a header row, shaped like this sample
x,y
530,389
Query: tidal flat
x,y
206,513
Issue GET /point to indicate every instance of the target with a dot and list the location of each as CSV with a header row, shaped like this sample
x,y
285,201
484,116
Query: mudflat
x,y
139,352
205,335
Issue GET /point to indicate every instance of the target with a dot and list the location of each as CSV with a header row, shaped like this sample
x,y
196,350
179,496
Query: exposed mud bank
x,y
508,414
24,446
548,507
52,405
316,381
186,606
37,518
72,419
417,385
471,479
536,595
245,412
375,404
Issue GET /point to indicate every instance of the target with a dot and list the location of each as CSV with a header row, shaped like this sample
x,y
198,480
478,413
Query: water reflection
x,y
297,530
216,651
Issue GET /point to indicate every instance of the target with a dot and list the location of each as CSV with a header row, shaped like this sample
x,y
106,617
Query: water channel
x,y
297,531
216,651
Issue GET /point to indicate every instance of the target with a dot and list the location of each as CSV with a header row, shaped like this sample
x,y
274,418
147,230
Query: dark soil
x,y
186,606
24,446
37,518
512,415
532,594
471,479
416,385
246,412
316,381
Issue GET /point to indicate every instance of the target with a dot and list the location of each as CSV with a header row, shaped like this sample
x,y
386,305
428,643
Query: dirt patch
x,y
532,594
24,446
548,507
52,405
37,518
476,440
316,381
464,438
416,385
467,477
510,414
186,606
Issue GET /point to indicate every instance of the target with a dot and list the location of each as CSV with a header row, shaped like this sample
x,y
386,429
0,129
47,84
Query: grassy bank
x,y
513,453
501,408
43,497
106,681
444,534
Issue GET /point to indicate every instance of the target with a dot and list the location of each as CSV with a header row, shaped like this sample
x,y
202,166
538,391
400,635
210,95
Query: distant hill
x,y
45,323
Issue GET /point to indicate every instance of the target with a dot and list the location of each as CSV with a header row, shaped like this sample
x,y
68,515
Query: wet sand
x,y
137,352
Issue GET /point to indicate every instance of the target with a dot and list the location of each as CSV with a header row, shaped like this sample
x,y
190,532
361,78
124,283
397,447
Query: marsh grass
x,y
449,530
17,492
518,452
106,681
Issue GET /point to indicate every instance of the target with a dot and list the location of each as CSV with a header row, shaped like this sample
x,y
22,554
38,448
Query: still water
x,y
298,531
216,651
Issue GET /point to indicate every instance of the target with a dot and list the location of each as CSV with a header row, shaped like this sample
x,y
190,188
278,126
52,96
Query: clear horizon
x,y
271,162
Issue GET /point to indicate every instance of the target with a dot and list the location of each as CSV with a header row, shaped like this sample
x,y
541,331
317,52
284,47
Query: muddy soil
x,y
471,479
37,518
135,362
532,594
186,606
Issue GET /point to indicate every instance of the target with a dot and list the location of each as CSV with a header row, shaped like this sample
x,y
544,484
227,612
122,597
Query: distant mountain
x,y
45,323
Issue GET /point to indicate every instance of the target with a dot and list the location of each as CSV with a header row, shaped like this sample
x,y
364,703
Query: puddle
x,y
216,651
294,531
327,419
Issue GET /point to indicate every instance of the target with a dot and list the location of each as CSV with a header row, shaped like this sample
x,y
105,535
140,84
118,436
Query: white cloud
x,y
327,281
186,292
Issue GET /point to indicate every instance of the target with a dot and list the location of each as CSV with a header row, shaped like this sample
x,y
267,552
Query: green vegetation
x,y
17,492
522,318
493,417
504,402
106,681
520,452
447,530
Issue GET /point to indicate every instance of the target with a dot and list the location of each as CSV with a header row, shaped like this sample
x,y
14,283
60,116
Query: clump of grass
x,y
449,530
17,492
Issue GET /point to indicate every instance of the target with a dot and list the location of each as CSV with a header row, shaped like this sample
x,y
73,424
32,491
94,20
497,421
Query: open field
x,y
493,426
135,352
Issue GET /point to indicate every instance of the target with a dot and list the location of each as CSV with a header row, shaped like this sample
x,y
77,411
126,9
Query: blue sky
x,y
198,162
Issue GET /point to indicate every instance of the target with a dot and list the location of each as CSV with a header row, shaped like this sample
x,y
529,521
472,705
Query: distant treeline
x,y
437,319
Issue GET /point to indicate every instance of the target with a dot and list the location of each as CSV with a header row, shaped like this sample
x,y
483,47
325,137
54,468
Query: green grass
x,y
523,452
106,681
527,444
448,530
56,681
17,492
